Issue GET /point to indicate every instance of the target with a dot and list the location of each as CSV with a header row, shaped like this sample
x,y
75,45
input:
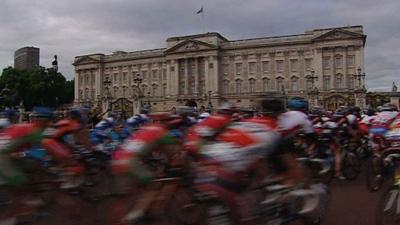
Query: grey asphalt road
x,y
352,203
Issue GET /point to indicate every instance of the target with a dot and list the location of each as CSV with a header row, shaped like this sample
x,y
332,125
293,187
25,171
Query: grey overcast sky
x,y
75,27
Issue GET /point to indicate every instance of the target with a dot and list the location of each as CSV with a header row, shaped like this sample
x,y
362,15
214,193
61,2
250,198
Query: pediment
x,y
337,34
85,60
190,46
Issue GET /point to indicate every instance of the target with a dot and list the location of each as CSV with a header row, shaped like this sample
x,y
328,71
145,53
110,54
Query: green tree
x,y
39,86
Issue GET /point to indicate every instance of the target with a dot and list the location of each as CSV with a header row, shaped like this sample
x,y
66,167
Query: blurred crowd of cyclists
x,y
227,155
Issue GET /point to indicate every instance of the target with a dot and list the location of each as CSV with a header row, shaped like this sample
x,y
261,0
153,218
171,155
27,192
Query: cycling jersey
x,y
205,130
130,155
380,124
294,122
15,139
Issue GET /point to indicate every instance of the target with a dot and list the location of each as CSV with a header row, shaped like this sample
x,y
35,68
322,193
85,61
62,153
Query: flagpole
x,y
204,22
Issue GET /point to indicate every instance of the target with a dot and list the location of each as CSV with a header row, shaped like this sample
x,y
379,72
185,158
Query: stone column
x,y
345,71
196,76
76,85
99,81
174,81
362,63
207,76
186,75
333,69
318,67
213,75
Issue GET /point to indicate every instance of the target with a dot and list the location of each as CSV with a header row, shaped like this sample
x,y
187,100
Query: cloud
x,y
71,28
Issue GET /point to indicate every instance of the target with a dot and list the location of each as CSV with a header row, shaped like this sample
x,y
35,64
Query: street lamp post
x,y
138,81
312,91
360,92
312,78
360,77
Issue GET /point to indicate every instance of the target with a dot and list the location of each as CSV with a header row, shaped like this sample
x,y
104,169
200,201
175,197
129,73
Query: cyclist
x,y
152,141
291,124
69,134
380,126
209,128
18,138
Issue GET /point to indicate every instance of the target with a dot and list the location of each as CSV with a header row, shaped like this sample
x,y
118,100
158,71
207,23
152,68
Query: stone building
x,y
325,66
26,58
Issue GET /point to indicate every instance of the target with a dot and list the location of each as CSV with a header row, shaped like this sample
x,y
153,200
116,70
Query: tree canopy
x,y
40,86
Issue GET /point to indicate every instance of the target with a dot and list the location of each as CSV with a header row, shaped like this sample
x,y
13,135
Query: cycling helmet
x,y
42,113
227,108
297,104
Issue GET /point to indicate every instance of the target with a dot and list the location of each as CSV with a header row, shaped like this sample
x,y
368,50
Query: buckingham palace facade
x,y
325,66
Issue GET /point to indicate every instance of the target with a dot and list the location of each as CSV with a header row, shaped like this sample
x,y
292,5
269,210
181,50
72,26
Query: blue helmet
x,y
43,112
297,104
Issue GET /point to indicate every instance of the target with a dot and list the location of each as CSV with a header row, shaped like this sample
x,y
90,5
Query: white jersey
x,y
384,118
294,122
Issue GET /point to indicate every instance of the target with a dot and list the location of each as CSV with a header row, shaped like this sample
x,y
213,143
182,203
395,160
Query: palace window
x,y
238,68
350,61
327,83
154,72
265,66
326,62
279,66
265,82
144,74
252,67
115,92
181,87
164,90
225,69
338,61
308,63
279,84
252,85
93,79
154,90
115,78
294,84
350,82
164,74
338,81
144,89
202,86
238,86
293,65
125,76
225,86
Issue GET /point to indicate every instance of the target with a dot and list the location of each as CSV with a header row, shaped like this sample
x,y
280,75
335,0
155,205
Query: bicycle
x,y
389,204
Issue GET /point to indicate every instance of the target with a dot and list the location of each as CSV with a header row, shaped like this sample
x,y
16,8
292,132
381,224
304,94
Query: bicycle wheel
x,y
351,166
388,212
374,176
